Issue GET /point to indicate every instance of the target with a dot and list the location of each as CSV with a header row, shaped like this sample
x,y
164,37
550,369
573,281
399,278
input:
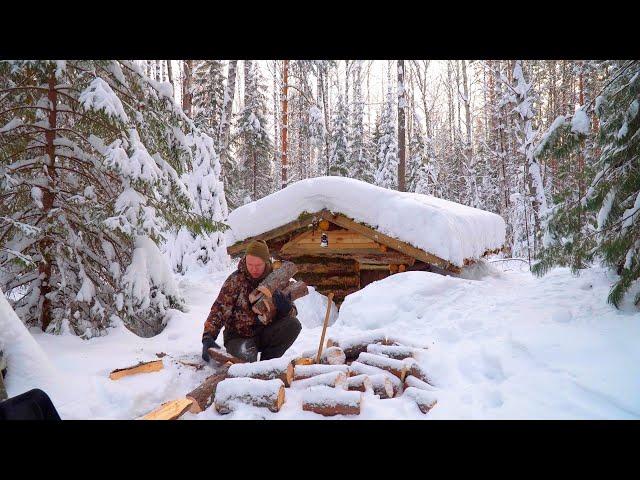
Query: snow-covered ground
x,y
504,346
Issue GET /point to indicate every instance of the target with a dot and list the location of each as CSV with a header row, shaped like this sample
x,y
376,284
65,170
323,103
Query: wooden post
x,y
324,326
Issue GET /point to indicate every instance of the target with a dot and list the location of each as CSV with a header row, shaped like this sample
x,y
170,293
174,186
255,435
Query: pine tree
x,y
360,160
612,231
208,96
339,146
90,162
253,138
387,173
184,248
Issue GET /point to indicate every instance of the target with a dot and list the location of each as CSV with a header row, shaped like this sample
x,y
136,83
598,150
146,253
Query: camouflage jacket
x,y
232,308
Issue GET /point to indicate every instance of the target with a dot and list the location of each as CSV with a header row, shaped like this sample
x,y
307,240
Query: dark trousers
x,y
270,340
31,405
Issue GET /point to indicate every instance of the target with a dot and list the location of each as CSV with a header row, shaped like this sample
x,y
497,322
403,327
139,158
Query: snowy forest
x,y
142,146
118,179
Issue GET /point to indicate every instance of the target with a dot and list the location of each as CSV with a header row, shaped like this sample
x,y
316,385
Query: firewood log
x,y
223,357
142,367
279,368
358,368
391,351
265,307
251,391
329,401
360,383
202,395
354,346
302,361
411,381
277,279
305,371
424,399
382,386
333,356
417,371
171,410
396,367
332,379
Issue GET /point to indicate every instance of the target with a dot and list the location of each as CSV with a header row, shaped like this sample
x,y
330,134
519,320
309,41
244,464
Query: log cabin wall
x,y
353,258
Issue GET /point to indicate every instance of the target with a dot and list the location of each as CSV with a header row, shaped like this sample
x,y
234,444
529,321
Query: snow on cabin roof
x,y
449,230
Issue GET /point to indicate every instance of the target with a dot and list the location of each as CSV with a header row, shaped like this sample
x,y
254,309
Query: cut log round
x,y
391,351
360,383
358,368
202,395
333,356
382,386
332,379
354,346
424,399
169,410
329,401
280,368
411,381
305,371
277,279
302,361
265,307
142,367
250,391
417,371
223,357
396,367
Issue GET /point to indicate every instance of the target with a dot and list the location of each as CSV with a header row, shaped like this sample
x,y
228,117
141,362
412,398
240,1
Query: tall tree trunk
x,y
229,92
325,107
285,107
402,102
467,106
170,74
48,197
187,95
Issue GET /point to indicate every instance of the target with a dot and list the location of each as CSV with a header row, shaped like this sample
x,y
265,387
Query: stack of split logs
x,y
335,386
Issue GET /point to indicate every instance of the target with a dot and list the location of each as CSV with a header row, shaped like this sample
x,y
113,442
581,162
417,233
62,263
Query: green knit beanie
x,y
259,248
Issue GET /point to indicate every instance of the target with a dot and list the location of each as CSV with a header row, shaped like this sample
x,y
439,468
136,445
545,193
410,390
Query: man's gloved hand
x,y
282,302
207,343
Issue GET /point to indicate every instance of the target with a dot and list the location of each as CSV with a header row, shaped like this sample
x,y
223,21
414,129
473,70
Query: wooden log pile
x,y
379,367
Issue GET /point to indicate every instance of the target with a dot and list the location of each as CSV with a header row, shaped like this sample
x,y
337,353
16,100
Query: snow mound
x,y
27,365
447,229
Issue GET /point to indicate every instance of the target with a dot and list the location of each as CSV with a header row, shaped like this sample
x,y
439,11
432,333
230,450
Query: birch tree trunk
x,y
401,127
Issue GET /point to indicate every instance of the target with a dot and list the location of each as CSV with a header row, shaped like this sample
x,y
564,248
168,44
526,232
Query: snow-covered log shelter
x,y
344,234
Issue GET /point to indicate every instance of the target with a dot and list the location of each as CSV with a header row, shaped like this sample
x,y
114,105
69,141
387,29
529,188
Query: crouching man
x,y
244,336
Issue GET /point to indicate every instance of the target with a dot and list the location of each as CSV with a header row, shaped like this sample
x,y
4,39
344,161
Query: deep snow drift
x,y
447,229
505,346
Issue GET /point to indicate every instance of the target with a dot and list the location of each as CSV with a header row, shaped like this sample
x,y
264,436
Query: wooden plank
x,y
169,410
142,367
403,247
303,221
